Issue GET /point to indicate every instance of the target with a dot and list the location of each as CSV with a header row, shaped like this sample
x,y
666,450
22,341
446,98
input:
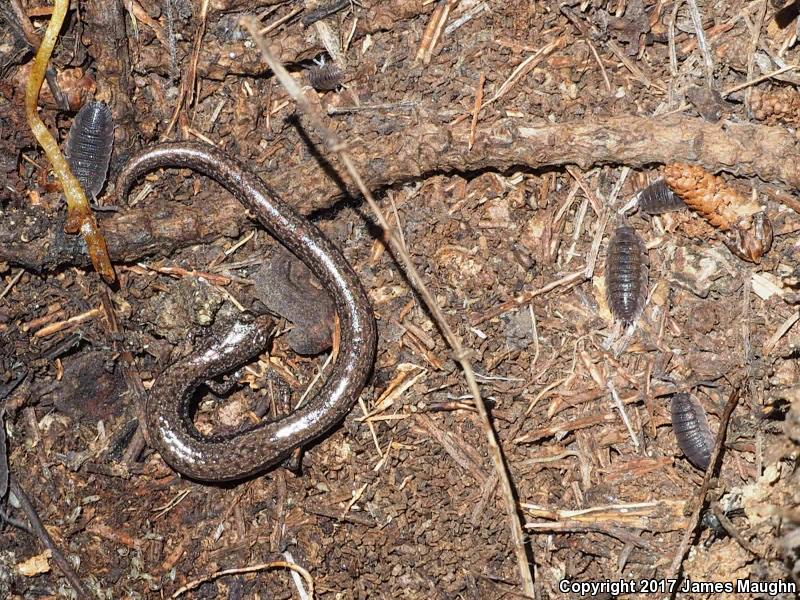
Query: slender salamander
x,y
168,409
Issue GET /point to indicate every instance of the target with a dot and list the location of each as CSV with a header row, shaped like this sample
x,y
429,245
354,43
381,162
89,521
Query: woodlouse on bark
x,y
325,76
626,274
91,139
657,199
692,431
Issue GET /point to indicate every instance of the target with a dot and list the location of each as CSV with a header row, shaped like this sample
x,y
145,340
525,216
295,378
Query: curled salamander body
x,y
168,409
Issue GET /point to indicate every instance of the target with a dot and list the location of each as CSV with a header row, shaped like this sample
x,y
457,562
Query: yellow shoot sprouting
x,y
79,213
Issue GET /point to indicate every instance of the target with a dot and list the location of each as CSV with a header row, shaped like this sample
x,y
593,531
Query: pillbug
x,y
91,138
325,76
626,274
657,198
692,431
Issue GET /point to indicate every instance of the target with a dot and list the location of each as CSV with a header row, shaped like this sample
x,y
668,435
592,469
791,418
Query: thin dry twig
x,y
770,344
476,110
44,536
324,11
278,22
597,204
453,340
751,52
25,24
71,322
624,414
728,526
12,283
179,272
276,564
466,16
461,452
189,81
673,55
34,40
140,14
697,21
635,69
566,281
441,21
605,511
432,31
567,12
675,567
525,67
752,82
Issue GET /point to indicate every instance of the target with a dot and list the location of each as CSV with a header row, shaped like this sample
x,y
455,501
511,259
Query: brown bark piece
x,y
30,239
426,148
105,36
780,105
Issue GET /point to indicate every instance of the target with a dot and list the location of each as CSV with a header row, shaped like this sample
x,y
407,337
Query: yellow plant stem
x,y
79,214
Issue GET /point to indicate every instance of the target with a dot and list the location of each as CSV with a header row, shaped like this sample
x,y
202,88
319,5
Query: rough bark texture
x,y
223,57
770,153
30,238
105,37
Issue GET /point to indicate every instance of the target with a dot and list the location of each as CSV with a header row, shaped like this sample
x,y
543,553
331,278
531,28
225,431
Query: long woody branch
x,y
422,149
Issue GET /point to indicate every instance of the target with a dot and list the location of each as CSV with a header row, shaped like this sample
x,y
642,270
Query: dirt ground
x,y
502,145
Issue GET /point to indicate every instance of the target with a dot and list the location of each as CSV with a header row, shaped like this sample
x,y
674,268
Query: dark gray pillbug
x,y
690,424
658,198
89,145
325,77
626,274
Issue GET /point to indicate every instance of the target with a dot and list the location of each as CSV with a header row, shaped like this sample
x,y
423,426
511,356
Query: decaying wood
x,y
105,37
27,239
222,58
425,148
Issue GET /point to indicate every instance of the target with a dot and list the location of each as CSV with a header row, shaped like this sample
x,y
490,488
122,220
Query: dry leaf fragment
x,y
35,565
751,237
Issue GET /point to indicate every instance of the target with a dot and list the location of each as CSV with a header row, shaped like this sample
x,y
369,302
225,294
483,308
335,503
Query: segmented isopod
x,y
626,274
657,198
690,424
326,76
91,138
